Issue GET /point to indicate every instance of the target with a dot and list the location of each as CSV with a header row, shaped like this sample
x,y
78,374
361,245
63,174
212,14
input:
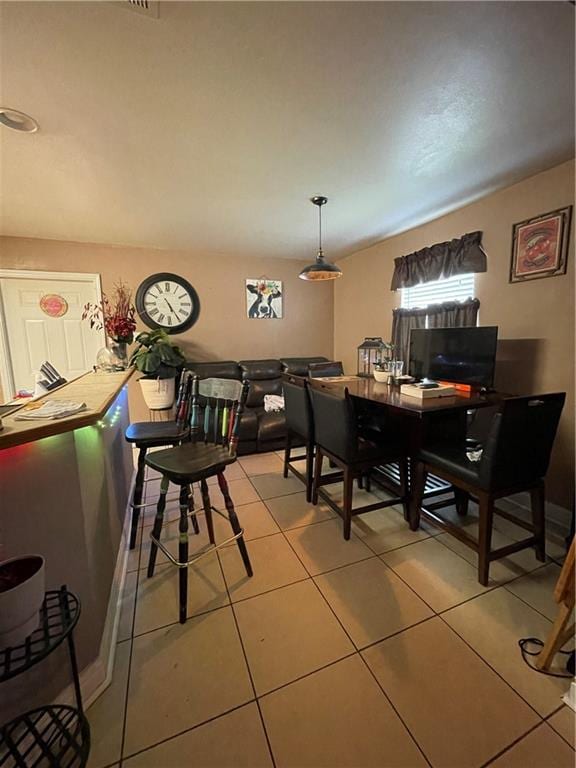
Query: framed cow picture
x,y
540,246
264,299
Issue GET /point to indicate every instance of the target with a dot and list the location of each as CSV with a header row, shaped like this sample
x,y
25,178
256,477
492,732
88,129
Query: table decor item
x,y
117,316
21,595
160,360
540,246
372,353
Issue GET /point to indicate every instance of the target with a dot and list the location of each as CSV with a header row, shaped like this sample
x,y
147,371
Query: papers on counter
x,y
50,409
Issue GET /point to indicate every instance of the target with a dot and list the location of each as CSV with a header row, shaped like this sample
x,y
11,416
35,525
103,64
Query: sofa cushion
x,y
254,370
299,365
248,429
261,387
226,369
271,426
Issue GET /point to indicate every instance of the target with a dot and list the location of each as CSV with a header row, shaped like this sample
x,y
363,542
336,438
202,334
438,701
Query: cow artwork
x,y
264,299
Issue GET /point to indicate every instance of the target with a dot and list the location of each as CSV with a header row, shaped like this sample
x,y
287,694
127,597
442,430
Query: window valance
x,y
455,257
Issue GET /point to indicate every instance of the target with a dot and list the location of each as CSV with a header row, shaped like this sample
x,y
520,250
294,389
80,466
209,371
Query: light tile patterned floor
x,y
379,652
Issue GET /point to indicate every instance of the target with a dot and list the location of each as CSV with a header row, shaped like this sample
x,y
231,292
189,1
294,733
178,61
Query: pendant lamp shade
x,y
321,269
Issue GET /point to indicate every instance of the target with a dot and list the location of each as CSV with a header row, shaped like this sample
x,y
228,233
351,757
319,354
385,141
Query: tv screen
x,y
461,355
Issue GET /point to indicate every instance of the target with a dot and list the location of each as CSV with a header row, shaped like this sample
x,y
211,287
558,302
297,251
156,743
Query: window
x,y
457,288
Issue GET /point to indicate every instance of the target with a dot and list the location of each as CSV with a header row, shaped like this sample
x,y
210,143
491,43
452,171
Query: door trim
x,y
6,370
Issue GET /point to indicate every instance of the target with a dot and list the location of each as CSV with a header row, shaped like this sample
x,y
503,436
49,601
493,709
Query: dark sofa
x,y
259,431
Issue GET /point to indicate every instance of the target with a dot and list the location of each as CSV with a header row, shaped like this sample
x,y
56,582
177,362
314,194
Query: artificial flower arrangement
x,y
115,314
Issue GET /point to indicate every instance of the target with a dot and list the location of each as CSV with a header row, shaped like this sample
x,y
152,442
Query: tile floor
x,y
383,651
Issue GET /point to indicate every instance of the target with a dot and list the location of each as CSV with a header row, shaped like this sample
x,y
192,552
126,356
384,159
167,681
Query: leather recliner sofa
x,y
260,431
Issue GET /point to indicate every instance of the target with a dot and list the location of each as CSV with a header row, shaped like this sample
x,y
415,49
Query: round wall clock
x,y
167,301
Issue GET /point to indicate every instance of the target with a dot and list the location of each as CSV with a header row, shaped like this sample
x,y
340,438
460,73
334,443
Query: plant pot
x,y
21,596
158,393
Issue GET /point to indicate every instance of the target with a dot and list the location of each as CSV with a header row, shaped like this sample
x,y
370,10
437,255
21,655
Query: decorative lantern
x,y
373,351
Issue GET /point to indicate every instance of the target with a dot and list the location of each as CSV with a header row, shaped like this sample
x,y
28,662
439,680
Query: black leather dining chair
x,y
514,459
322,370
299,428
340,440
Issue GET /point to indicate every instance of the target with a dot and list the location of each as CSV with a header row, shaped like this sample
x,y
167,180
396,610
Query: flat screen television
x,y
461,355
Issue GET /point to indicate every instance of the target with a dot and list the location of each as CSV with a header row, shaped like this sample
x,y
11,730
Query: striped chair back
x,y
217,406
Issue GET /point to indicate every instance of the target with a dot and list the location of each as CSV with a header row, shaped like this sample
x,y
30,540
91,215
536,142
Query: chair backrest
x,y
335,423
298,406
520,440
216,409
320,370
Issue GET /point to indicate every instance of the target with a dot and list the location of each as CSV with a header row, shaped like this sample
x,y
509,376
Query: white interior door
x,y
43,321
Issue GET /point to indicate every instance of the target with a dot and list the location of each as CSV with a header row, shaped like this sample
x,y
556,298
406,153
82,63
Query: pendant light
x,y
320,270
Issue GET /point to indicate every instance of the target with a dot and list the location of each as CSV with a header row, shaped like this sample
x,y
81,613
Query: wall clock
x,y
167,301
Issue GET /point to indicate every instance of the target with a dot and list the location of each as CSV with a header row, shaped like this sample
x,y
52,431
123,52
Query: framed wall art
x,y
540,246
264,299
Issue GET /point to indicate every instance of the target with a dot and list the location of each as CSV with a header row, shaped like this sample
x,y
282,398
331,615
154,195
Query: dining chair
x,y
514,459
322,370
146,435
216,411
339,439
299,428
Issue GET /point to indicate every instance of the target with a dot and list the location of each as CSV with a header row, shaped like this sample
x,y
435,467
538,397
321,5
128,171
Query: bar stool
x,y
299,425
338,438
160,434
515,458
217,407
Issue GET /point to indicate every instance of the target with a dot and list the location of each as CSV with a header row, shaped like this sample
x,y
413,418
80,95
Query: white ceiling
x,y
210,127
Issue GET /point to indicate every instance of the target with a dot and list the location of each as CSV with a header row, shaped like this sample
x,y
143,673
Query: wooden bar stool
x,y
216,410
160,434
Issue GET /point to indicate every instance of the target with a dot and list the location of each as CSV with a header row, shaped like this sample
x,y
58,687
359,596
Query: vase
x,y
21,597
119,351
158,393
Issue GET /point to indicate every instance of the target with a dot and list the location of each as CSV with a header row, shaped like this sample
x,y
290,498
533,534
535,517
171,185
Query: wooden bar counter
x,y
64,487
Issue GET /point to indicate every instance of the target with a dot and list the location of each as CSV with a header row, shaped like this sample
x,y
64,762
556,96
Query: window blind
x,y
456,288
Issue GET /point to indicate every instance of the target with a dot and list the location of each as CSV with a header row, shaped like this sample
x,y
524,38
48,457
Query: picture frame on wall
x,y
540,246
264,299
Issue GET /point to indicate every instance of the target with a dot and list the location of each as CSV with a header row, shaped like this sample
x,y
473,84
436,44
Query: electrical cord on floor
x,y
525,653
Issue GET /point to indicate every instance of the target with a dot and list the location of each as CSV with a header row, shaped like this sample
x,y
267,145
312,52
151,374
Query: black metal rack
x,y
54,736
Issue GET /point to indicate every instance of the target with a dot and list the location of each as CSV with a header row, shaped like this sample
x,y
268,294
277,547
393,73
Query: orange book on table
x,y
458,387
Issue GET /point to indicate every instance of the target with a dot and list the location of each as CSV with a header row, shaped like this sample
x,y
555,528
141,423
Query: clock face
x,y
167,301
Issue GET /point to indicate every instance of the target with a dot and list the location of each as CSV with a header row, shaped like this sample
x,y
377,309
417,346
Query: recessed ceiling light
x,y
18,121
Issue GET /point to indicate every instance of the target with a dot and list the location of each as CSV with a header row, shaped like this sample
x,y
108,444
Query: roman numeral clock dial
x,y
167,301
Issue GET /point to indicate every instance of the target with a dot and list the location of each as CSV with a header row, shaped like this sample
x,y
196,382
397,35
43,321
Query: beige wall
x,y
223,332
536,320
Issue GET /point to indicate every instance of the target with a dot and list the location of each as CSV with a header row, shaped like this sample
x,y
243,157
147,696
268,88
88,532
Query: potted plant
x,y
160,360
21,596
117,316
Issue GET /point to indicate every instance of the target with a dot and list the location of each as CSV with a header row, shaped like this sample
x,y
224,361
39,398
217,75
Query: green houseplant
x,y
160,361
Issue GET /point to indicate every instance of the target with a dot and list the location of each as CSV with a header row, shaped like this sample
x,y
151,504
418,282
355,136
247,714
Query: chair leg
x,y
183,554
158,520
461,499
418,484
368,481
558,636
207,510
404,489
485,515
360,481
287,451
347,502
537,502
309,470
137,496
191,508
317,474
234,522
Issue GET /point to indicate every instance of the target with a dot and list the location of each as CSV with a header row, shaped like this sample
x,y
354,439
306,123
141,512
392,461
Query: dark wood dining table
x,y
415,422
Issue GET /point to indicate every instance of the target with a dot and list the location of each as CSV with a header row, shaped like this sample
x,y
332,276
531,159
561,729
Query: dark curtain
x,y
403,320
453,314
456,257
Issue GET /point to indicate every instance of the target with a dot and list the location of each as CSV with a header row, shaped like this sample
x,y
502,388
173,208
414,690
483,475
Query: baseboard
x,y
97,676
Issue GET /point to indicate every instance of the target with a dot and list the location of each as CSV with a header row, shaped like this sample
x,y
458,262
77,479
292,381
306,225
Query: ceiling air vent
x,y
150,8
